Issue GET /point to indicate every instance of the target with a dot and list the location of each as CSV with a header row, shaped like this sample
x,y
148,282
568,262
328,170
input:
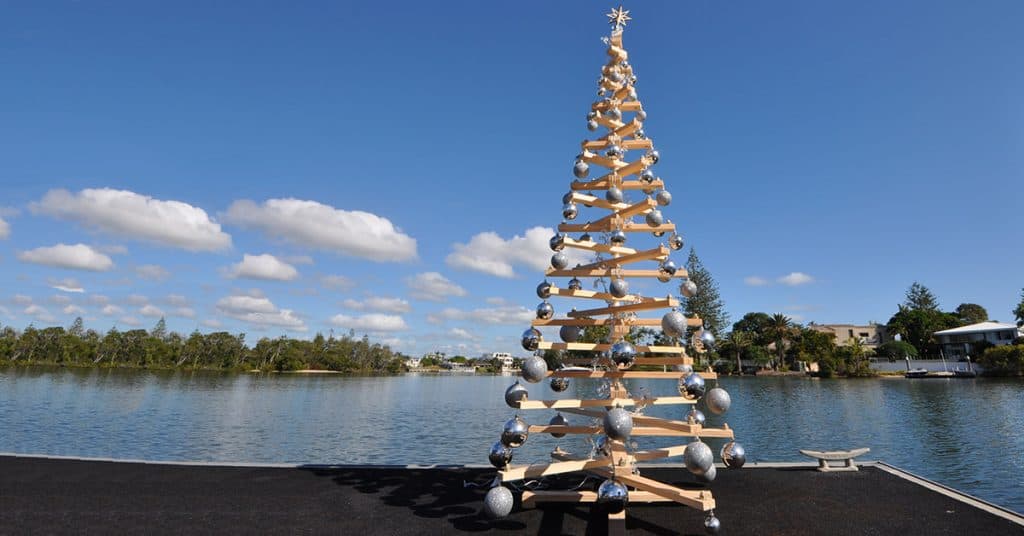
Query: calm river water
x,y
963,433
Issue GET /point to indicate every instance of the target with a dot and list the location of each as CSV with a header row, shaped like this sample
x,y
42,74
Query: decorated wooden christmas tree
x,y
626,189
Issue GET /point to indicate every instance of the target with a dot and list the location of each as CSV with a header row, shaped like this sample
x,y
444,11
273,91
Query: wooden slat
x,y
590,245
629,145
699,499
659,253
633,168
695,322
681,427
631,106
608,272
572,403
661,303
545,469
647,374
604,161
627,227
530,498
594,201
600,347
592,294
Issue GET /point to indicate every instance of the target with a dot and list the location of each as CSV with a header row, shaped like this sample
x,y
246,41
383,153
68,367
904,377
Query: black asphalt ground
x,y
47,496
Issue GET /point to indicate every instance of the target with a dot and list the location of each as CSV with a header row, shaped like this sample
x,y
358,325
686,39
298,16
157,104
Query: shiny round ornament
x,y
733,455
545,310
557,242
544,290
654,218
613,195
655,156
559,261
498,502
639,134
575,284
709,475
515,432
515,394
696,416
647,176
632,79
618,288
685,369
613,113
500,455
581,169
592,125
658,234
717,400
676,242
612,496
703,338
559,384
603,446
673,324
668,266
570,333
615,78
534,369
692,386
663,197
591,115
617,238
530,339
566,197
570,211
712,525
688,288
558,420
618,424
641,115
613,151
623,354
698,457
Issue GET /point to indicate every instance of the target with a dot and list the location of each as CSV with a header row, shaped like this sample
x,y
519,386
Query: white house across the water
x,y
956,343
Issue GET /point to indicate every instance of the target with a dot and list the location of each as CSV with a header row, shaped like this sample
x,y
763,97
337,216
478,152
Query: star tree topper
x,y
618,18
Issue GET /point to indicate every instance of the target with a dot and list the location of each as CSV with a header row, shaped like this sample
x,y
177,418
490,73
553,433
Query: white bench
x,y
835,456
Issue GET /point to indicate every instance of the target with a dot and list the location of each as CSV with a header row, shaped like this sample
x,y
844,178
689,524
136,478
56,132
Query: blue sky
x,y
382,164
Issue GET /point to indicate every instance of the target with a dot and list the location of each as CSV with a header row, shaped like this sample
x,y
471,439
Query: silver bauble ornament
x,y
613,151
705,338
566,197
618,424
698,457
591,115
632,79
640,114
673,324
658,234
696,416
669,267
675,242
515,432
663,197
623,354
613,113
559,384
569,211
603,446
612,496
557,242
575,284
515,394
639,134
613,195
558,420
692,386
534,369
655,156
647,176
685,369
717,400
570,333
712,525
592,125
618,288
544,290
688,288
498,502
559,261
733,455
615,78
530,339
545,310
709,475
654,218
581,169
617,238
500,455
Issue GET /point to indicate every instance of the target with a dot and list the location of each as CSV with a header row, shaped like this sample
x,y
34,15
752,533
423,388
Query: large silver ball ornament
x,y
559,384
615,77
592,125
673,324
566,197
570,211
632,79
500,455
612,496
685,369
545,310
696,416
530,339
623,354
669,267
698,457
544,290
581,169
559,261
709,475
570,333
655,156
639,134
663,197
640,114
558,420
675,242
618,424
733,455
692,386
591,115
575,284
712,525
613,113
654,218
515,394
613,151
534,369
703,338
618,288
717,400
557,242
688,288
647,176
498,502
617,238
613,195
515,432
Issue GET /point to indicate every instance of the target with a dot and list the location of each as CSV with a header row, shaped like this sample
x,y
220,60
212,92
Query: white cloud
x,y
380,304
5,229
373,322
503,315
73,310
151,311
113,249
795,278
298,259
433,286
176,300
130,321
755,281
487,252
316,225
76,257
136,299
212,323
337,282
264,266
40,313
152,272
183,312
259,311
98,299
21,299
459,333
60,299
140,217
66,285
111,310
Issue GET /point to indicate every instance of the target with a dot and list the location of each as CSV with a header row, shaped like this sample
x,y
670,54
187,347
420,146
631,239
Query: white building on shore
x,y
506,359
957,343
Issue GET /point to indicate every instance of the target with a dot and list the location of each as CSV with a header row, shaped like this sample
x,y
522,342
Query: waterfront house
x,y
957,343
413,362
870,336
507,361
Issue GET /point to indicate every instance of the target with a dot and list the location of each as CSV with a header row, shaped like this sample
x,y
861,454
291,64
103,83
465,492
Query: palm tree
x,y
737,342
779,328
